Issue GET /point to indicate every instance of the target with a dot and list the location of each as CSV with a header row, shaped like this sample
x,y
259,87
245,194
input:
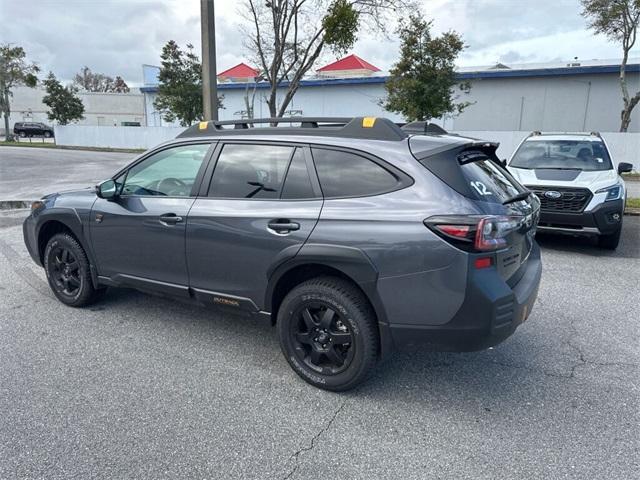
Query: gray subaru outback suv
x,y
353,236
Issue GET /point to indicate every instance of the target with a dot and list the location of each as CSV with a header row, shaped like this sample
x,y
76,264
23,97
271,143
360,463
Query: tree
x,y
65,106
421,83
618,20
180,88
88,81
288,36
14,71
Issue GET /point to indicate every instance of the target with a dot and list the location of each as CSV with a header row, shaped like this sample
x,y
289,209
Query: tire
x,y
68,273
611,241
22,134
47,134
328,333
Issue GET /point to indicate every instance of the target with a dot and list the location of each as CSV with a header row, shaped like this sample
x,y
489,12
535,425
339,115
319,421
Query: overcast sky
x,y
117,36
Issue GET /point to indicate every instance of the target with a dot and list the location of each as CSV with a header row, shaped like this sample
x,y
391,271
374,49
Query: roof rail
x,y
538,133
370,128
424,128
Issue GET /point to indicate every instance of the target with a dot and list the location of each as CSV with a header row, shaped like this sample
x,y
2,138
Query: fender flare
x,y
350,261
70,218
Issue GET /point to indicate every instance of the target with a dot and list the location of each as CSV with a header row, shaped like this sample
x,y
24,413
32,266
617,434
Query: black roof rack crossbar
x,y
353,127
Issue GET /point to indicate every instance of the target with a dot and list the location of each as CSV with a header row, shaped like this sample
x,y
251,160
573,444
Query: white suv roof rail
x,y
537,133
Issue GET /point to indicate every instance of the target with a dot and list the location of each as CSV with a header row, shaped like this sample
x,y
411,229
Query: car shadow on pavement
x,y
401,375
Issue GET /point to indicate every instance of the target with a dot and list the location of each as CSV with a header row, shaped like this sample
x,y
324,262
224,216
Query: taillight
x,y
475,233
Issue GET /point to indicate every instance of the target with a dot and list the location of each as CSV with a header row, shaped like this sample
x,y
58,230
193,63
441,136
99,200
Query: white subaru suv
x,y
580,190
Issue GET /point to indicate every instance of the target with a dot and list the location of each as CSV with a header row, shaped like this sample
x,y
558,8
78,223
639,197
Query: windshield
x,y
587,155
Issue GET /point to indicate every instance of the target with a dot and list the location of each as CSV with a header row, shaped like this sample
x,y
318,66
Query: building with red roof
x,y
348,67
240,73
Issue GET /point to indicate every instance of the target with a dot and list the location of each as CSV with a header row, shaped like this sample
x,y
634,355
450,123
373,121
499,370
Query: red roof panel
x,y
242,70
352,62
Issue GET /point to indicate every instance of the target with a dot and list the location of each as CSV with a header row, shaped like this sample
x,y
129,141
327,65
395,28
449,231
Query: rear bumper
x,y
490,313
602,220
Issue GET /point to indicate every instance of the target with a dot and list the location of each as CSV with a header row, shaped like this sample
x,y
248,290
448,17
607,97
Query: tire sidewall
x,y
62,241
351,316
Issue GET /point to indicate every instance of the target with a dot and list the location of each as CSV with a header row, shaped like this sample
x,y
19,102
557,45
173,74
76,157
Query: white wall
x,y
114,137
574,103
624,147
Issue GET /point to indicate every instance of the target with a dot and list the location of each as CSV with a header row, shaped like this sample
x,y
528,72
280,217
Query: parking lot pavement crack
x,y
296,455
582,360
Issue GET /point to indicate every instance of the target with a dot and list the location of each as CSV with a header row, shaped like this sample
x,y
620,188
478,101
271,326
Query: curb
x,y
71,147
632,212
14,204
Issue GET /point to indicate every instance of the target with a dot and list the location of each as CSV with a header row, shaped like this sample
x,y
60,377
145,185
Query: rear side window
x,y
489,182
345,174
250,171
474,174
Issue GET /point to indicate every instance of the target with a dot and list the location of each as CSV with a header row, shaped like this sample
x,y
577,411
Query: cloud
x,y
117,36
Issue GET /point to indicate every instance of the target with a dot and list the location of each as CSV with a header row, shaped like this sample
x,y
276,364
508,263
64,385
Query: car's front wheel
x,y
22,134
68,273
47,134
611,241
328,333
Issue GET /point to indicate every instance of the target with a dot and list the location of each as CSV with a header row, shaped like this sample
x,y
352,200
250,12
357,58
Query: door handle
x,y
283,225
170,219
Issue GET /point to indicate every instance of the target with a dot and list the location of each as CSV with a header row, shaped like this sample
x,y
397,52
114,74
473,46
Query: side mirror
x,y
107,189
504,162
624,167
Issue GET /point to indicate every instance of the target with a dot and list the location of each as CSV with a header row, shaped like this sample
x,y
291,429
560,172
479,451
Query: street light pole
x,y
209,79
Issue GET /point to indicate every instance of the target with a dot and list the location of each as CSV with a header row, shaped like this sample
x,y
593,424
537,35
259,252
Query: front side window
x,y
344,174
171,172
587,155
250,171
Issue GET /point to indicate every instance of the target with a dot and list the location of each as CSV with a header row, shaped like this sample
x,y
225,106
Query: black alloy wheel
x,y
321,339
69,272
65,271
328,333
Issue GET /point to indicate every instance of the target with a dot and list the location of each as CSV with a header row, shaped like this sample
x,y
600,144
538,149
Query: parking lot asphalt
x,y
145,387
28,173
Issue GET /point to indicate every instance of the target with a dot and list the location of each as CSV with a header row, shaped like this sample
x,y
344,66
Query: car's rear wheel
x,y
47,134
328,333
611,241
22,134
68,273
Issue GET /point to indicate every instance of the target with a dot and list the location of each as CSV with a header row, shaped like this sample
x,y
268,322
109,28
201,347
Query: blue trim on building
x,y
479,75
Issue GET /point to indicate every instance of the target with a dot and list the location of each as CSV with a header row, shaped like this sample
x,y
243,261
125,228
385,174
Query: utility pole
x,y
209,79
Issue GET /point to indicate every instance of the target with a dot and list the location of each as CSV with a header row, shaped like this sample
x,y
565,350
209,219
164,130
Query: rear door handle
x,y
170,219
283,225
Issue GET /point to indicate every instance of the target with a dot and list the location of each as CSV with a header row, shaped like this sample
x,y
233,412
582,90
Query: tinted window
x,y
488,181
344,174
171,172
564,154
298,183
250,171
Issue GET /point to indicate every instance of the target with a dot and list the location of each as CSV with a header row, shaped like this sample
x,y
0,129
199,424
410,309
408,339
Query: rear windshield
x,y
587,155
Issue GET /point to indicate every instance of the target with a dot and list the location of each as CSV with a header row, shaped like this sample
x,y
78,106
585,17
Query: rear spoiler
x,y
424,128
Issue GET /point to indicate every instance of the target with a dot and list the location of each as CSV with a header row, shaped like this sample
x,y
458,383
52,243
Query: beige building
x,y
109,109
